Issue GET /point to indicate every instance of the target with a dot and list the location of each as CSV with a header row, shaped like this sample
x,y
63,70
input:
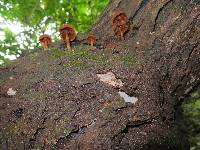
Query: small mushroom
x,y
110,45
45,40
119,23
67,34
91,39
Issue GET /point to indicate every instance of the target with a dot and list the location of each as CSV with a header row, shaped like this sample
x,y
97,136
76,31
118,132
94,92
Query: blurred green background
x,y
23,21
191,109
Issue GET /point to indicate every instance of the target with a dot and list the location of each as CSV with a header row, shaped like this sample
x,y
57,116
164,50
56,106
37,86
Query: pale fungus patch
x,y
11,92
127,98
110,79
11,78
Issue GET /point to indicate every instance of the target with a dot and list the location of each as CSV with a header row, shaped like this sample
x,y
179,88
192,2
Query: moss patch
x,y
84,56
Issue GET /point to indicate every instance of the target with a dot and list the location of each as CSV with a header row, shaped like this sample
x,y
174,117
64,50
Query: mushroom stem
x,y
121,34
68,41
45,45
92,43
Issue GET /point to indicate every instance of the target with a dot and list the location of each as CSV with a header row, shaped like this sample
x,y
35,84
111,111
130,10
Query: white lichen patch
x,y
11,78
127,98
11,92
110,79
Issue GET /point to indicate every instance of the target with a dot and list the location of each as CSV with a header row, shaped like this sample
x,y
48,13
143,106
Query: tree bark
x,y
163,39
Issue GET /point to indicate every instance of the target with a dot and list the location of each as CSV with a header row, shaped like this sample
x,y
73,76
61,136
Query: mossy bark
x,y
60,102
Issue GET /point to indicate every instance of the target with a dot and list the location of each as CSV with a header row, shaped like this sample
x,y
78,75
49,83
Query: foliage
x,y
195,1
37,16
192,119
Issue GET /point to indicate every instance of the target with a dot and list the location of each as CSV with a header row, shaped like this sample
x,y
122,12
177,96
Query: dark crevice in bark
x,y
75,113
79,130
44,120
39,130
19,112
187,73
162,98
142,5
191,52
121,108
119,136
158,14
137,124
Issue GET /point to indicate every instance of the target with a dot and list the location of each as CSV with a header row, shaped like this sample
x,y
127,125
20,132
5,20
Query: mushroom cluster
x,y
68,33
119,23
45,40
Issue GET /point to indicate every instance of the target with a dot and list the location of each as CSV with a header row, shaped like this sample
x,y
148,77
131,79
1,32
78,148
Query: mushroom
x,y
110,45
45,40
119,23
91,39
67,34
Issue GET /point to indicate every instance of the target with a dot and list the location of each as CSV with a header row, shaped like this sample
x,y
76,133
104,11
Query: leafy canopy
x,y
38,16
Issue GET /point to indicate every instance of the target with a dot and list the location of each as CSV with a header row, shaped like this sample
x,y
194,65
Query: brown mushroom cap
x,y
119,18
91,38
45,37
70,30
119,22
110,45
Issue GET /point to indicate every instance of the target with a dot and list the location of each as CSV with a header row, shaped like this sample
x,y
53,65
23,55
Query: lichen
x,y
109,78
127,98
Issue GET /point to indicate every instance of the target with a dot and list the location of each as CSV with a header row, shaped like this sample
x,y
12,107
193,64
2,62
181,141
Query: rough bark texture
x,y
61,103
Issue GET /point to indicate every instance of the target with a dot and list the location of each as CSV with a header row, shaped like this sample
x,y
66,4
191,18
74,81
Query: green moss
x,y
83,56
39,95
128,59
56,128
108,113
75,64
34,56
80,58
67,132
12,130
58,53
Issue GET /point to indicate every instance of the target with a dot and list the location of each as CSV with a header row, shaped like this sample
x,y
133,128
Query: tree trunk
x,y
64,105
